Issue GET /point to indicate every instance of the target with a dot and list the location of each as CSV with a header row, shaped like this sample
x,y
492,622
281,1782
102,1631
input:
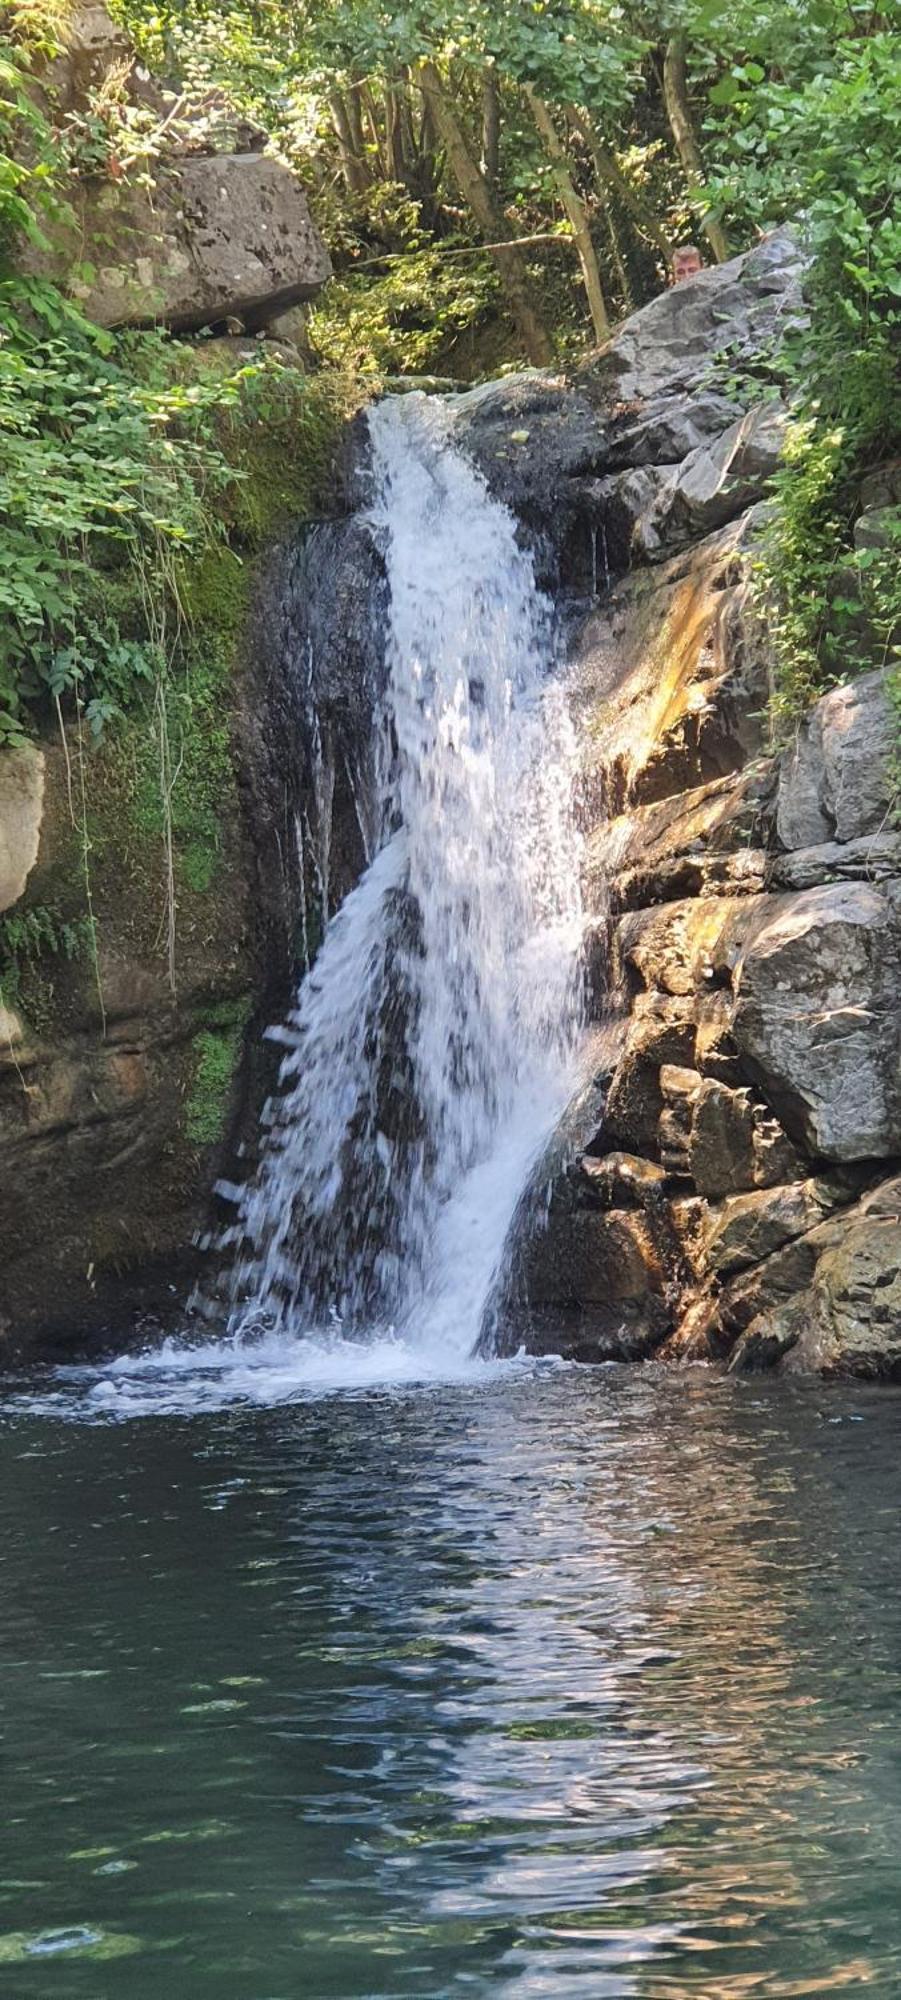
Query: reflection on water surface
x,y
554,1684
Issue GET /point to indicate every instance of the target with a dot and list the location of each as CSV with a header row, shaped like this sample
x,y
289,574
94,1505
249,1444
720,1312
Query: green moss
x,y
282,440
216,1048
126,810
277,436
214,589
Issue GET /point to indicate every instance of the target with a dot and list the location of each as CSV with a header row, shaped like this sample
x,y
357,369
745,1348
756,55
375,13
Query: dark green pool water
x,y
563,1683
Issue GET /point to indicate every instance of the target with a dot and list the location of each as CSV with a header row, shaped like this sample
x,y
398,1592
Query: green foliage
x,y
217,1049
829,153
28,940
41,932
403,318
833,610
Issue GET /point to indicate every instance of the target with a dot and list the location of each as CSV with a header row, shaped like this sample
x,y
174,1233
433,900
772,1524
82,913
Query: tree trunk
x,y
369,111
396,166
491,129
477,196
353,164
610,176
619,262
355,116
678,111
575,212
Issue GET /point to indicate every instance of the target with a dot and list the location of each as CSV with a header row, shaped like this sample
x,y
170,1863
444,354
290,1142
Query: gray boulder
x,y
872,857
227,236
817,1018
714,484
740,308
835,780
846,1320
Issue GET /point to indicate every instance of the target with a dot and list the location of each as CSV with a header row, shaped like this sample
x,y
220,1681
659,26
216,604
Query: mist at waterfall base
x,y
435,1043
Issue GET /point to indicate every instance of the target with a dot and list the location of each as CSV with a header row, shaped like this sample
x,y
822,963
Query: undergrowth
x,y
139,477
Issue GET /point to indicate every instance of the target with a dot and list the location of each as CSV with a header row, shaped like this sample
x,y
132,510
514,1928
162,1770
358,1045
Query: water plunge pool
x,y
543,1682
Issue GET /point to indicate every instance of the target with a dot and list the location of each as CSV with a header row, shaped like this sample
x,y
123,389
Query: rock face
x,y
216,236
229,236
739,1199
644,450
118,1098
835,785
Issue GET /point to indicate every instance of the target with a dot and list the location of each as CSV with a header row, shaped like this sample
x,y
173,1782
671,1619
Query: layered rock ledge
x,y
739,1199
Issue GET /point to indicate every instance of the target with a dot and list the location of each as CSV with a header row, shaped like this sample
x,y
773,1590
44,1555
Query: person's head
x,y
686,262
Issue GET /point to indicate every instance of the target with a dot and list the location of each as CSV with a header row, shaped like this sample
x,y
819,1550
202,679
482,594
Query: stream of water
x,y
434,1046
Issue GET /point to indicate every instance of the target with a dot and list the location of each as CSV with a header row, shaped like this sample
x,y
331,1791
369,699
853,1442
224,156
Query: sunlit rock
x,y
21,810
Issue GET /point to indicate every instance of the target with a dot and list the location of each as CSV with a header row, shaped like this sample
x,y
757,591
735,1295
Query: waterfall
x,y
433,1046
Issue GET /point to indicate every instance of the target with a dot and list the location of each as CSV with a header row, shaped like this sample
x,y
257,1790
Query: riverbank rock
x,y
750,904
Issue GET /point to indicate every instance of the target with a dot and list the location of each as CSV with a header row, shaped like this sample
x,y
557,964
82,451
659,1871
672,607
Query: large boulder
x,y
837,1308
202,236
750,1227
644,434
817,1018
717,481
226,236
835,781
741,308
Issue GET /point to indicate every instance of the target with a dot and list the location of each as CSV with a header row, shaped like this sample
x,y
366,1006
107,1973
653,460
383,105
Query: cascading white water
x,y
435,1042
432,1049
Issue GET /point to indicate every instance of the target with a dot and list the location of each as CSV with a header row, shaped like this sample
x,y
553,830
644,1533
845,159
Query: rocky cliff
x,y
735,1191
739,1198
148,879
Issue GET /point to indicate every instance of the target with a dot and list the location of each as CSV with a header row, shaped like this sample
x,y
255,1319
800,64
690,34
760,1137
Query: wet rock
x,y
537,441
635,1099
620,1179
771,1336
734,1146
835,782
749,1227
629,1331
21,812
847,1319
679,1089
589,1258
669,681
686,948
